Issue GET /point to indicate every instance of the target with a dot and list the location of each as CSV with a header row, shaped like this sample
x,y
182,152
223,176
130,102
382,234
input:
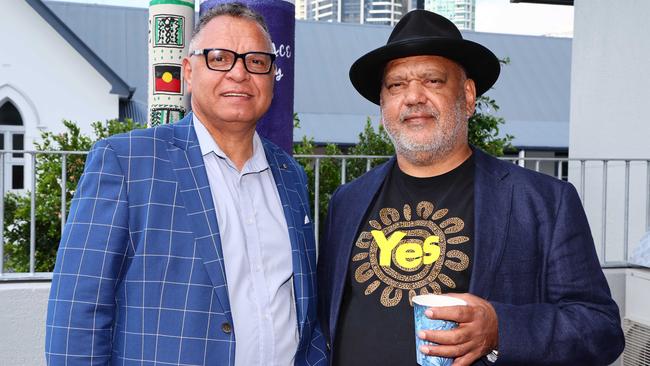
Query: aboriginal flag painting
x,y
167,79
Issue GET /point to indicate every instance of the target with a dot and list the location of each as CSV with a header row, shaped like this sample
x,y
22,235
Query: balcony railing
x,y
615,193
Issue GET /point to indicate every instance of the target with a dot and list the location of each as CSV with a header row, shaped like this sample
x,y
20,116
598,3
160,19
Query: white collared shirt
x,y
257,254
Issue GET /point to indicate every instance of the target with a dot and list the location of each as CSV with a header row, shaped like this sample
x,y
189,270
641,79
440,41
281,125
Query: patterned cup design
x,y
420,304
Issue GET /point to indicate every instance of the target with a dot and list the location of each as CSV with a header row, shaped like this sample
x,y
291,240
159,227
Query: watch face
x,y
492,356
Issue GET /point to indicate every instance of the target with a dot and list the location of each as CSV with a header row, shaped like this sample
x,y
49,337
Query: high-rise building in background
x,y
461,12
301,9
386,12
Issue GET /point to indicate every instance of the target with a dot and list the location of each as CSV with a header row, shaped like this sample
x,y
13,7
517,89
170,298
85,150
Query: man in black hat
x,y
443,217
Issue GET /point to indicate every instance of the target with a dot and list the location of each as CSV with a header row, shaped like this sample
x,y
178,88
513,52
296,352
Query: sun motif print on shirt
x,y
408,252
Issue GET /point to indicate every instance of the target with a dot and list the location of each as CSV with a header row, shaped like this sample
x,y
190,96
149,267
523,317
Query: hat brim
x,y
480,64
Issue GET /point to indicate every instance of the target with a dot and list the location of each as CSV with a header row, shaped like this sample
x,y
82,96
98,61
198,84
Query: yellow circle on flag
x,y
167,76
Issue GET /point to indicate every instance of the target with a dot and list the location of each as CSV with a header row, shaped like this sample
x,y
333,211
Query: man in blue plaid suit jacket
x,y
140,277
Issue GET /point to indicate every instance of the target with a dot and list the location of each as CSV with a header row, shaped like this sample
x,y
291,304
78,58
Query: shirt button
x,y
267,316
250,221
226,327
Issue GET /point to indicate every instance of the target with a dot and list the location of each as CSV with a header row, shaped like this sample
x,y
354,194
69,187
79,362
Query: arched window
x,y
12,137
9,115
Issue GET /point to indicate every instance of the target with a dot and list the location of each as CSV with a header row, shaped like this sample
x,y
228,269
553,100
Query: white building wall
x,y
46,78
609,115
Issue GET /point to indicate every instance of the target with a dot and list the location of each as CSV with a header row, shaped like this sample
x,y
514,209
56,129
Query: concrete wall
x,y
616,278
22,323
609,118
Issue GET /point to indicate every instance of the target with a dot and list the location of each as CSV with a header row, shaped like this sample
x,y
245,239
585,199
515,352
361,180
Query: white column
x,y
171,23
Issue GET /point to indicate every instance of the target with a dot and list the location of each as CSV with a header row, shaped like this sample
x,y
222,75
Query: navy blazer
x,y
534,261
139,277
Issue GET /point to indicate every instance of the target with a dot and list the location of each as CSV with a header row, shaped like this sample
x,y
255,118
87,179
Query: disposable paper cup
x,y
420,304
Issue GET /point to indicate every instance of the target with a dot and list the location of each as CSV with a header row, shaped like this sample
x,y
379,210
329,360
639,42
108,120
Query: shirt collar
x,y
255,164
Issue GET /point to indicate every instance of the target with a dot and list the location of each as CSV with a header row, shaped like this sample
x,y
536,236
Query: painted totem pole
x,y
170,29
277,123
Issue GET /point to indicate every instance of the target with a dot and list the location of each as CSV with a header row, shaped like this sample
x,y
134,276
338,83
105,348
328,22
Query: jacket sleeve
x,y
90,259
578,323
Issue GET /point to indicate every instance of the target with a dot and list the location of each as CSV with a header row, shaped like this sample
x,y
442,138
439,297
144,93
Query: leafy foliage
x,y
48,195
371,142
329,169
483,128
483,125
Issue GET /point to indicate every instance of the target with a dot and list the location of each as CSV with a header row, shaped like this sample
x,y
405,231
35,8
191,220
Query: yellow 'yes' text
x,y
407,255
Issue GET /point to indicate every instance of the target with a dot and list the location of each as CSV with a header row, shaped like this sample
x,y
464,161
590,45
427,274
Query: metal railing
x,y
575,170
6,161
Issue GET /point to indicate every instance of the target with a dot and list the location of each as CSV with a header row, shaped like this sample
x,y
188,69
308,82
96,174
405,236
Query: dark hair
x,y
235,10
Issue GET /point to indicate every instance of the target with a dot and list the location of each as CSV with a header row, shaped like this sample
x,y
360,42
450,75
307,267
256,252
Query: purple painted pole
x,y
277,124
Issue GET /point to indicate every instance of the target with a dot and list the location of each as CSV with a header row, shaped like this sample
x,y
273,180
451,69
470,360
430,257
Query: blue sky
x,y
497,16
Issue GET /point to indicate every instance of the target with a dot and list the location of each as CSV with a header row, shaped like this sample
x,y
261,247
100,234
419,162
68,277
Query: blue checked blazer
x,y
139,277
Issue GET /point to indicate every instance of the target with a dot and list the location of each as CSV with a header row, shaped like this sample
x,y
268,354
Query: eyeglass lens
x,y
224,60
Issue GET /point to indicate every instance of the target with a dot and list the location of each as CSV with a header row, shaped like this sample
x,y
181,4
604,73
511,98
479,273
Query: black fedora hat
x,y
422,32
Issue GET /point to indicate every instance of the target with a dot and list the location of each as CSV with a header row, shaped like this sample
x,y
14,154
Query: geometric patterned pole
x,y
171,23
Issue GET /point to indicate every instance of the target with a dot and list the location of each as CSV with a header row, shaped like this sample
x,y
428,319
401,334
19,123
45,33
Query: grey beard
x,y
438,147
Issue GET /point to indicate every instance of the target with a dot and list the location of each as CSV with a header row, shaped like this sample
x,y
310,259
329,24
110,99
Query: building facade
x,y
47,75
301,9
461,12
381,12
384,12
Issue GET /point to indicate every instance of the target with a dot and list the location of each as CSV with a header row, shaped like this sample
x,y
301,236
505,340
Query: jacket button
x,y
329,346
226,327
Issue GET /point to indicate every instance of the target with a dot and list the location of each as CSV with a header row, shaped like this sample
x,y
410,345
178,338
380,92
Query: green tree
x,y
483,125
483,128
48,195
329,170
371,143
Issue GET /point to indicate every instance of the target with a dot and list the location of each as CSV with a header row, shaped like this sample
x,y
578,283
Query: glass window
x,y
17,177
9,115
17,144
2,141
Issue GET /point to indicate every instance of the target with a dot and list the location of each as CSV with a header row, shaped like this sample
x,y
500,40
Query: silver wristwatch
x,y
492,356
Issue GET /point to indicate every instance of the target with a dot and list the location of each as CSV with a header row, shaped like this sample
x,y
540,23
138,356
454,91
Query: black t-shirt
x,y
416,238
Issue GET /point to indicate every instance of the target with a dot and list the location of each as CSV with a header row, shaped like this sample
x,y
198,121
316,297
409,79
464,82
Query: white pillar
x,y
171,23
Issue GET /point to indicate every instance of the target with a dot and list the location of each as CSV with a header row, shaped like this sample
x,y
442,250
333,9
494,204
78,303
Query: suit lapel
x,y
286,181
187,162
357,211
492,204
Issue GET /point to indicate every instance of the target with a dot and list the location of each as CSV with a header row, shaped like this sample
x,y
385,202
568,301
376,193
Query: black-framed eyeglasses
x,y
220,59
